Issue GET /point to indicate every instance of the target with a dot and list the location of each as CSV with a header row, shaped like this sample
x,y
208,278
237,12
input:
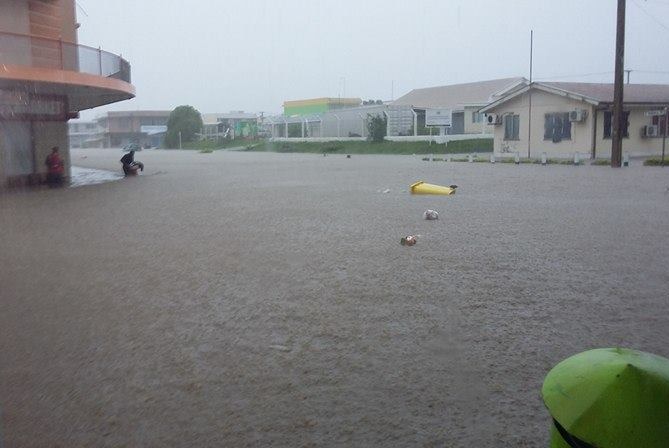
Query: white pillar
x,y
415,122
362,125
338,121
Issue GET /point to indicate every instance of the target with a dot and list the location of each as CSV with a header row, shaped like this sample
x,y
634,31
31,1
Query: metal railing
x,y
31,51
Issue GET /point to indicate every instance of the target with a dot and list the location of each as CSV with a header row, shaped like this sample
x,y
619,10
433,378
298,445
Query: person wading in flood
x,y
130,167
54,168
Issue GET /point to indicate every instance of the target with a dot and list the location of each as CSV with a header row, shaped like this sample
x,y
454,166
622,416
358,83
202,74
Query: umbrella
x,y
609,398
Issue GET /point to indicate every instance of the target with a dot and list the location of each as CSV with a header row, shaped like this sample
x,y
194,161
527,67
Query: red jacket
x,y
55,164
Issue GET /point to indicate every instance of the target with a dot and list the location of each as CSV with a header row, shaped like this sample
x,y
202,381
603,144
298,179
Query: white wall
x,y
635,144
475,128
542,104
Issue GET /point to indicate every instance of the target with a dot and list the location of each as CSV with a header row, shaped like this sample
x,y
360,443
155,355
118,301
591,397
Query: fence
x,y
31,51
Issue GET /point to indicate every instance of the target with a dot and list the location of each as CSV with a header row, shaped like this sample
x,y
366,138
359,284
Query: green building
x,y
318,105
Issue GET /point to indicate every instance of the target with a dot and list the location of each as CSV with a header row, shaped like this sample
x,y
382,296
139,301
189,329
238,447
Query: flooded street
x,y
260,299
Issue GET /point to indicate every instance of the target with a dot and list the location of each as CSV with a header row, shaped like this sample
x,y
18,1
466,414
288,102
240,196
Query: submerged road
x,y
257,299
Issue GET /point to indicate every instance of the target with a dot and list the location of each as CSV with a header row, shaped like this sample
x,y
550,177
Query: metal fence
x,y
31,51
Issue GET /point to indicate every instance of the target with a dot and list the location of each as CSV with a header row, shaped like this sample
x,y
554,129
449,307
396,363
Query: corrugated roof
x,y
603,93
456,96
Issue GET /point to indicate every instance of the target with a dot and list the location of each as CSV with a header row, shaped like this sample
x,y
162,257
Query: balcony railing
x,y
31,51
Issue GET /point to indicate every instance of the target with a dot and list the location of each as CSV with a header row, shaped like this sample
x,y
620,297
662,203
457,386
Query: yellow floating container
x,y
425,188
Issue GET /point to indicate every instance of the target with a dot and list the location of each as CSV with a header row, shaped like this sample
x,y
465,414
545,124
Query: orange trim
x,y
38,74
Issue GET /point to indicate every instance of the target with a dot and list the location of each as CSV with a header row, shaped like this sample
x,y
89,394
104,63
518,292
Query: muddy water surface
x,y
239,299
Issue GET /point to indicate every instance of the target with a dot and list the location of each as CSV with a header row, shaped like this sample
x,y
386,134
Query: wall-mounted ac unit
x,y
578,115
494,119
650,131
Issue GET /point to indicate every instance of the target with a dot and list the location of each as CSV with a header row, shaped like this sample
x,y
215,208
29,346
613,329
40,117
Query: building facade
x,y
561,119
46,78
145,128
234,124
462,100
315,106
81,133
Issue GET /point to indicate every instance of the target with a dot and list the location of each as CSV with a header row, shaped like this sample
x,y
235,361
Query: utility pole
x,y
627,73
529,98
618,115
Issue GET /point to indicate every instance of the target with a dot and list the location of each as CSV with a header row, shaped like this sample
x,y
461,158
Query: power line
x,y
659,72
575,75
579,75
638,5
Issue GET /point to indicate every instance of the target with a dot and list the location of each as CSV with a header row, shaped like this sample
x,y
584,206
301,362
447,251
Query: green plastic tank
x,y
609,398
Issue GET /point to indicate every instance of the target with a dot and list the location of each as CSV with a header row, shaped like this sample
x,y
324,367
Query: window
x,y
477,117
557,127
511,127
661,122
608,124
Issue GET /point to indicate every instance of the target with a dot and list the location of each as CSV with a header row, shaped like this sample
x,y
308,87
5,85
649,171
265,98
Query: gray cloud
x,y
252,55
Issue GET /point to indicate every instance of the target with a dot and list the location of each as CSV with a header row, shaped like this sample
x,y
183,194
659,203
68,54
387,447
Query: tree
x,y
376,127
184,119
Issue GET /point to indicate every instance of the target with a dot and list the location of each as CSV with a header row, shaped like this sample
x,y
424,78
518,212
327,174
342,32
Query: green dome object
x,y
610,398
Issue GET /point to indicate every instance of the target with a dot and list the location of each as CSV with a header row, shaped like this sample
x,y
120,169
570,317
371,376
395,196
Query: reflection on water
x,y
88,176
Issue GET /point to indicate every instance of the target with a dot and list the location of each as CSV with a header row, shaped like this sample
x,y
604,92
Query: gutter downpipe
x,y
593,152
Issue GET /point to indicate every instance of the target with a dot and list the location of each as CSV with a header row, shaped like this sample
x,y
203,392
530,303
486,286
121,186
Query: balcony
x,y
87,76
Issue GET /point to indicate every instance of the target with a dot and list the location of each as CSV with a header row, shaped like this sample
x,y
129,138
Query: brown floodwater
x,y
249,299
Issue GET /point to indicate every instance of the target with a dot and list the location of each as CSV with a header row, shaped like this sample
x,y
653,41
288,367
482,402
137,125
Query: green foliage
x,y
214,144
376,127
295,130
384,147
184,119
472,145
655,161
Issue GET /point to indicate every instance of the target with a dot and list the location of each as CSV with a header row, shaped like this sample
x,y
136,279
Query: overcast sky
x,y
251,55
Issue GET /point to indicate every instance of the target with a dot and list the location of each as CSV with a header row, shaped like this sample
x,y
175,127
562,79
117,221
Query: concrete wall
x,y
543,103
46,135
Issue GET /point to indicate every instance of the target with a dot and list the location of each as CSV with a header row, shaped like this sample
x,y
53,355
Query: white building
x,y
576,117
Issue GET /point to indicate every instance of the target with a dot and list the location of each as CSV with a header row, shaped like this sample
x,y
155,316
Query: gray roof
x,y
457,95
603,93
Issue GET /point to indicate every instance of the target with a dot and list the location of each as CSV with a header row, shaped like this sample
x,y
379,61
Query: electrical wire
x,y
638,5
574,75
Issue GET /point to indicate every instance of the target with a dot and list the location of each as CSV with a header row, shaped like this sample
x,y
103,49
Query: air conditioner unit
x,y
650,131
578,115
494,119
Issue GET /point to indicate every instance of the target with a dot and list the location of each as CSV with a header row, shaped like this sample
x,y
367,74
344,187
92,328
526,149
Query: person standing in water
x,y
55,168
130,166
